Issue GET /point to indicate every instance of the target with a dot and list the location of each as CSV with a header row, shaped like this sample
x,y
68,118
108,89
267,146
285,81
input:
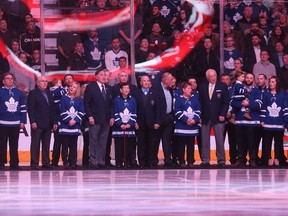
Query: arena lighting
x,y
200,19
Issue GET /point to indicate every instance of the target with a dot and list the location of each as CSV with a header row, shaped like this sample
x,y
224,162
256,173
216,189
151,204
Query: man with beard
x,y
246,129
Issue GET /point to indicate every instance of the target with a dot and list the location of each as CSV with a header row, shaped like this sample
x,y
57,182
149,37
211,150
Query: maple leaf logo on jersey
x,y
125,116
72,113
189,113
11,105
274,110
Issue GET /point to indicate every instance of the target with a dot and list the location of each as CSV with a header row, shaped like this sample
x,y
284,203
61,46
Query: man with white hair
x,y
214,99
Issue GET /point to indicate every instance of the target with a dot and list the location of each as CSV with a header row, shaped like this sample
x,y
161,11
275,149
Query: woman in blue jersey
x,y
274,116
72,112
187,112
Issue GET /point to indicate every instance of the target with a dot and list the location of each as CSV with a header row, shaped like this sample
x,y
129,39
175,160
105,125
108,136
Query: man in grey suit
x,y
214,101
99,109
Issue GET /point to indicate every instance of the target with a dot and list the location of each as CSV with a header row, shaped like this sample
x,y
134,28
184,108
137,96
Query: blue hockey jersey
x,y
12,107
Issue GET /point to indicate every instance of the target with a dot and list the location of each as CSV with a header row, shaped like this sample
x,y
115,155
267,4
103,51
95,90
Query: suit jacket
x,y
147,113
249,58
39,111
217,106
95,105
162,101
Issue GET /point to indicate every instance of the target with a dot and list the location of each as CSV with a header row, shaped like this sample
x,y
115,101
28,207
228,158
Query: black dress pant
x,y
85,157
56,148
182,142
69,149
124,148
11,134
269,135
40,135
232,139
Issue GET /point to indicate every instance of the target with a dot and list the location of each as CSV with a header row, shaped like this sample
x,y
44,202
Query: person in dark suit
x,y
148,118
99,109
214,101
41,113
165,96
252,53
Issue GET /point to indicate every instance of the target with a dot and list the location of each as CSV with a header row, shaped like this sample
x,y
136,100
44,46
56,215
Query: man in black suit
x,y
165,95
148,118
214,101
42,118
99,109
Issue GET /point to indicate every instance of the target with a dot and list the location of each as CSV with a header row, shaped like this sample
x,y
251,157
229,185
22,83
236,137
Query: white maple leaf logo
x,y
125,116
11,105
274,110
189,113
72,113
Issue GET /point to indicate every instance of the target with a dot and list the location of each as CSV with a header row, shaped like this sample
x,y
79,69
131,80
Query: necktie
x,y
103,91
211,89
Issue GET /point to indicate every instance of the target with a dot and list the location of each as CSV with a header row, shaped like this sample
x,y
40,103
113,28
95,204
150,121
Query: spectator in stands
x,y
30,40
277,35
94,50
244,23
233,12
283,22
156,17
28,18
114,4
124,32
66,42
264,66
36,60
5,33
230,54
182,19
276,11
101,4
237,36
157,41
265,26
259,9
141,53
283,72
209,34
252,30
168,10
277,56
25,82
246,129
4,67
252,53
123,67
112,56
205,59
238,66
15,46
77,61
12,119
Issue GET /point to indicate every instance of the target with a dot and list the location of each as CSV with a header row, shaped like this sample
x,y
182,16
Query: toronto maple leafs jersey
x,y
187,108
71,108
255,104
12,107
125,110
274,112
57,93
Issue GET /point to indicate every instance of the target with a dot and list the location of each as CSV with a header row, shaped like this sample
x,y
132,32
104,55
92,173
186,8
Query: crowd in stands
x,y
174,107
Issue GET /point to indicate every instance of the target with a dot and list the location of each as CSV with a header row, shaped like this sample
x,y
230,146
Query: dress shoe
x,y
190,165
253,164
238,164
47,167
15,167
2,166
34,167
205,165
93,166
221,165
182,165
54,165
168,164
73,166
